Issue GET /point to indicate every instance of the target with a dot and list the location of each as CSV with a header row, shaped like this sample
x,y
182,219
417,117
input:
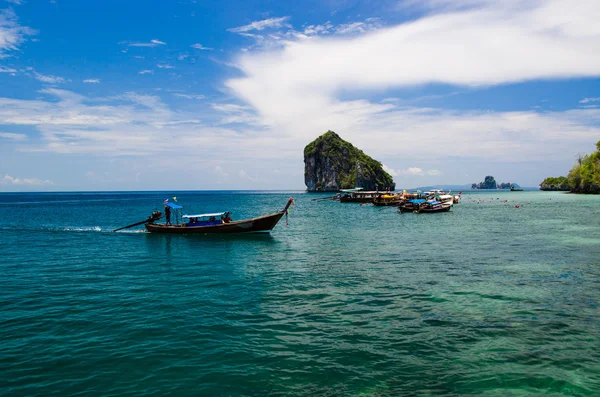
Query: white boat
x,y
434,192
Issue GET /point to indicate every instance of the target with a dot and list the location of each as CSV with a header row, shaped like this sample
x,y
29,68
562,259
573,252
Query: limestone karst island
x,y
331,164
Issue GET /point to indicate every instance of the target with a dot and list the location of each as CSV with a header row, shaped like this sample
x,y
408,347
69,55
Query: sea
x,y
499,297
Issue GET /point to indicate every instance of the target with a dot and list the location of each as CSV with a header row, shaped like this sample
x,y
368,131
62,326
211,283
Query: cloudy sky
x,y
138,95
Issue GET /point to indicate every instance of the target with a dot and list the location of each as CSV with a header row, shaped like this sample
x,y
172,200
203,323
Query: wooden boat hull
x,y
428,208
408,207
432,210
356,199
255,225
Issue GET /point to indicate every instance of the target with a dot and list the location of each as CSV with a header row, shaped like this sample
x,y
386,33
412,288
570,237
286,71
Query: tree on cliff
x,y
584,177
552,183
331,163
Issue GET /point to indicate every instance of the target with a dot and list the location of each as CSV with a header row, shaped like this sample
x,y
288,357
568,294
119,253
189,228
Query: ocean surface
x,y
346,300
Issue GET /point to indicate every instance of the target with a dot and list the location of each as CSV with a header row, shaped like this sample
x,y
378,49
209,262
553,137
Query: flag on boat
x,y
175,199
166,202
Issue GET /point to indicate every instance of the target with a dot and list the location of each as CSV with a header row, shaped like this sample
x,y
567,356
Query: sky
x,y
219,95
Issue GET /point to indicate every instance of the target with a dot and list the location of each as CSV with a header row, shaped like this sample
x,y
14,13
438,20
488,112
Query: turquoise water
x,y
345,301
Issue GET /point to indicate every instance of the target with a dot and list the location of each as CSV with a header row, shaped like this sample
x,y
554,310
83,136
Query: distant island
x,y
331,164
490,183
584,177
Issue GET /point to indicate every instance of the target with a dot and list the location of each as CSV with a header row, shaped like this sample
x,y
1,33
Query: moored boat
x,y
388,199
426,206
435,206
357,195
411,205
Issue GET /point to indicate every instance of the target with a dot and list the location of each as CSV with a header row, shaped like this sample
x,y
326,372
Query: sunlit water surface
x,y
347,300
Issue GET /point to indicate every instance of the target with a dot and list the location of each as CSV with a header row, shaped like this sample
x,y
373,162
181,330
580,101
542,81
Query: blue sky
x,y
189,94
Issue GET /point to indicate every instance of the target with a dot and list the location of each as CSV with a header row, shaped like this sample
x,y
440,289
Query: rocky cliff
x,y
330,164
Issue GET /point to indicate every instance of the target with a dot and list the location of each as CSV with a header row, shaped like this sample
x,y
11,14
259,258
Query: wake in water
x,y
76,229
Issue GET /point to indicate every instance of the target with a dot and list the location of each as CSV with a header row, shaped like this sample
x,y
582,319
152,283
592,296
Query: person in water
x,y
168,215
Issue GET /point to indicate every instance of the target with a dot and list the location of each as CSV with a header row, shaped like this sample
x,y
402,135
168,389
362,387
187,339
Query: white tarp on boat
x,y
204,215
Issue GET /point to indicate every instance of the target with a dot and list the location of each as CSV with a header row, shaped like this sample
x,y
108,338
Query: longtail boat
x,y
357,195
426,206
435,206
388,199
220,223
411,205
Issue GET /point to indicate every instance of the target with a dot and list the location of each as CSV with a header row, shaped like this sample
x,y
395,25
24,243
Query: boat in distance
x,y
357,195
196,225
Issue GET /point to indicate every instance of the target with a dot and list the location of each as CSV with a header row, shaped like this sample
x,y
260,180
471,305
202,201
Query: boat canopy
x,y
174,206
356,189
204,215
417,201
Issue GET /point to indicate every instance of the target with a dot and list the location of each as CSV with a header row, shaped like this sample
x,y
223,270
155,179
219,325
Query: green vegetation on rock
x,y
552,183
332,163
584,177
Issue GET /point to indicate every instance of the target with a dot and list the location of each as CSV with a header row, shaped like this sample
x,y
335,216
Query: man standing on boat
x,y
167,212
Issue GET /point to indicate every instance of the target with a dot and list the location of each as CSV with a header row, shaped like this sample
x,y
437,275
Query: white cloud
x,y
18,2
244,175
48,78
483,43
9,180
136,124
475,47
413,171
7,70
261,25
416,171
11,33
236,114
132,124
165,66
92,81
312,30
190,96
146,71
152,43
589,100
219,171
368,25
389,170
12,136
199,46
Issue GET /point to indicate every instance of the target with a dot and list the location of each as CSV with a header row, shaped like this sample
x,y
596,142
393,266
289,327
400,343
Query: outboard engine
x,y
156,215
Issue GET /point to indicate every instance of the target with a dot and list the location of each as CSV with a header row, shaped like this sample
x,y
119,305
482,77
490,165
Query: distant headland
x,y
583,178
490,183
331,164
